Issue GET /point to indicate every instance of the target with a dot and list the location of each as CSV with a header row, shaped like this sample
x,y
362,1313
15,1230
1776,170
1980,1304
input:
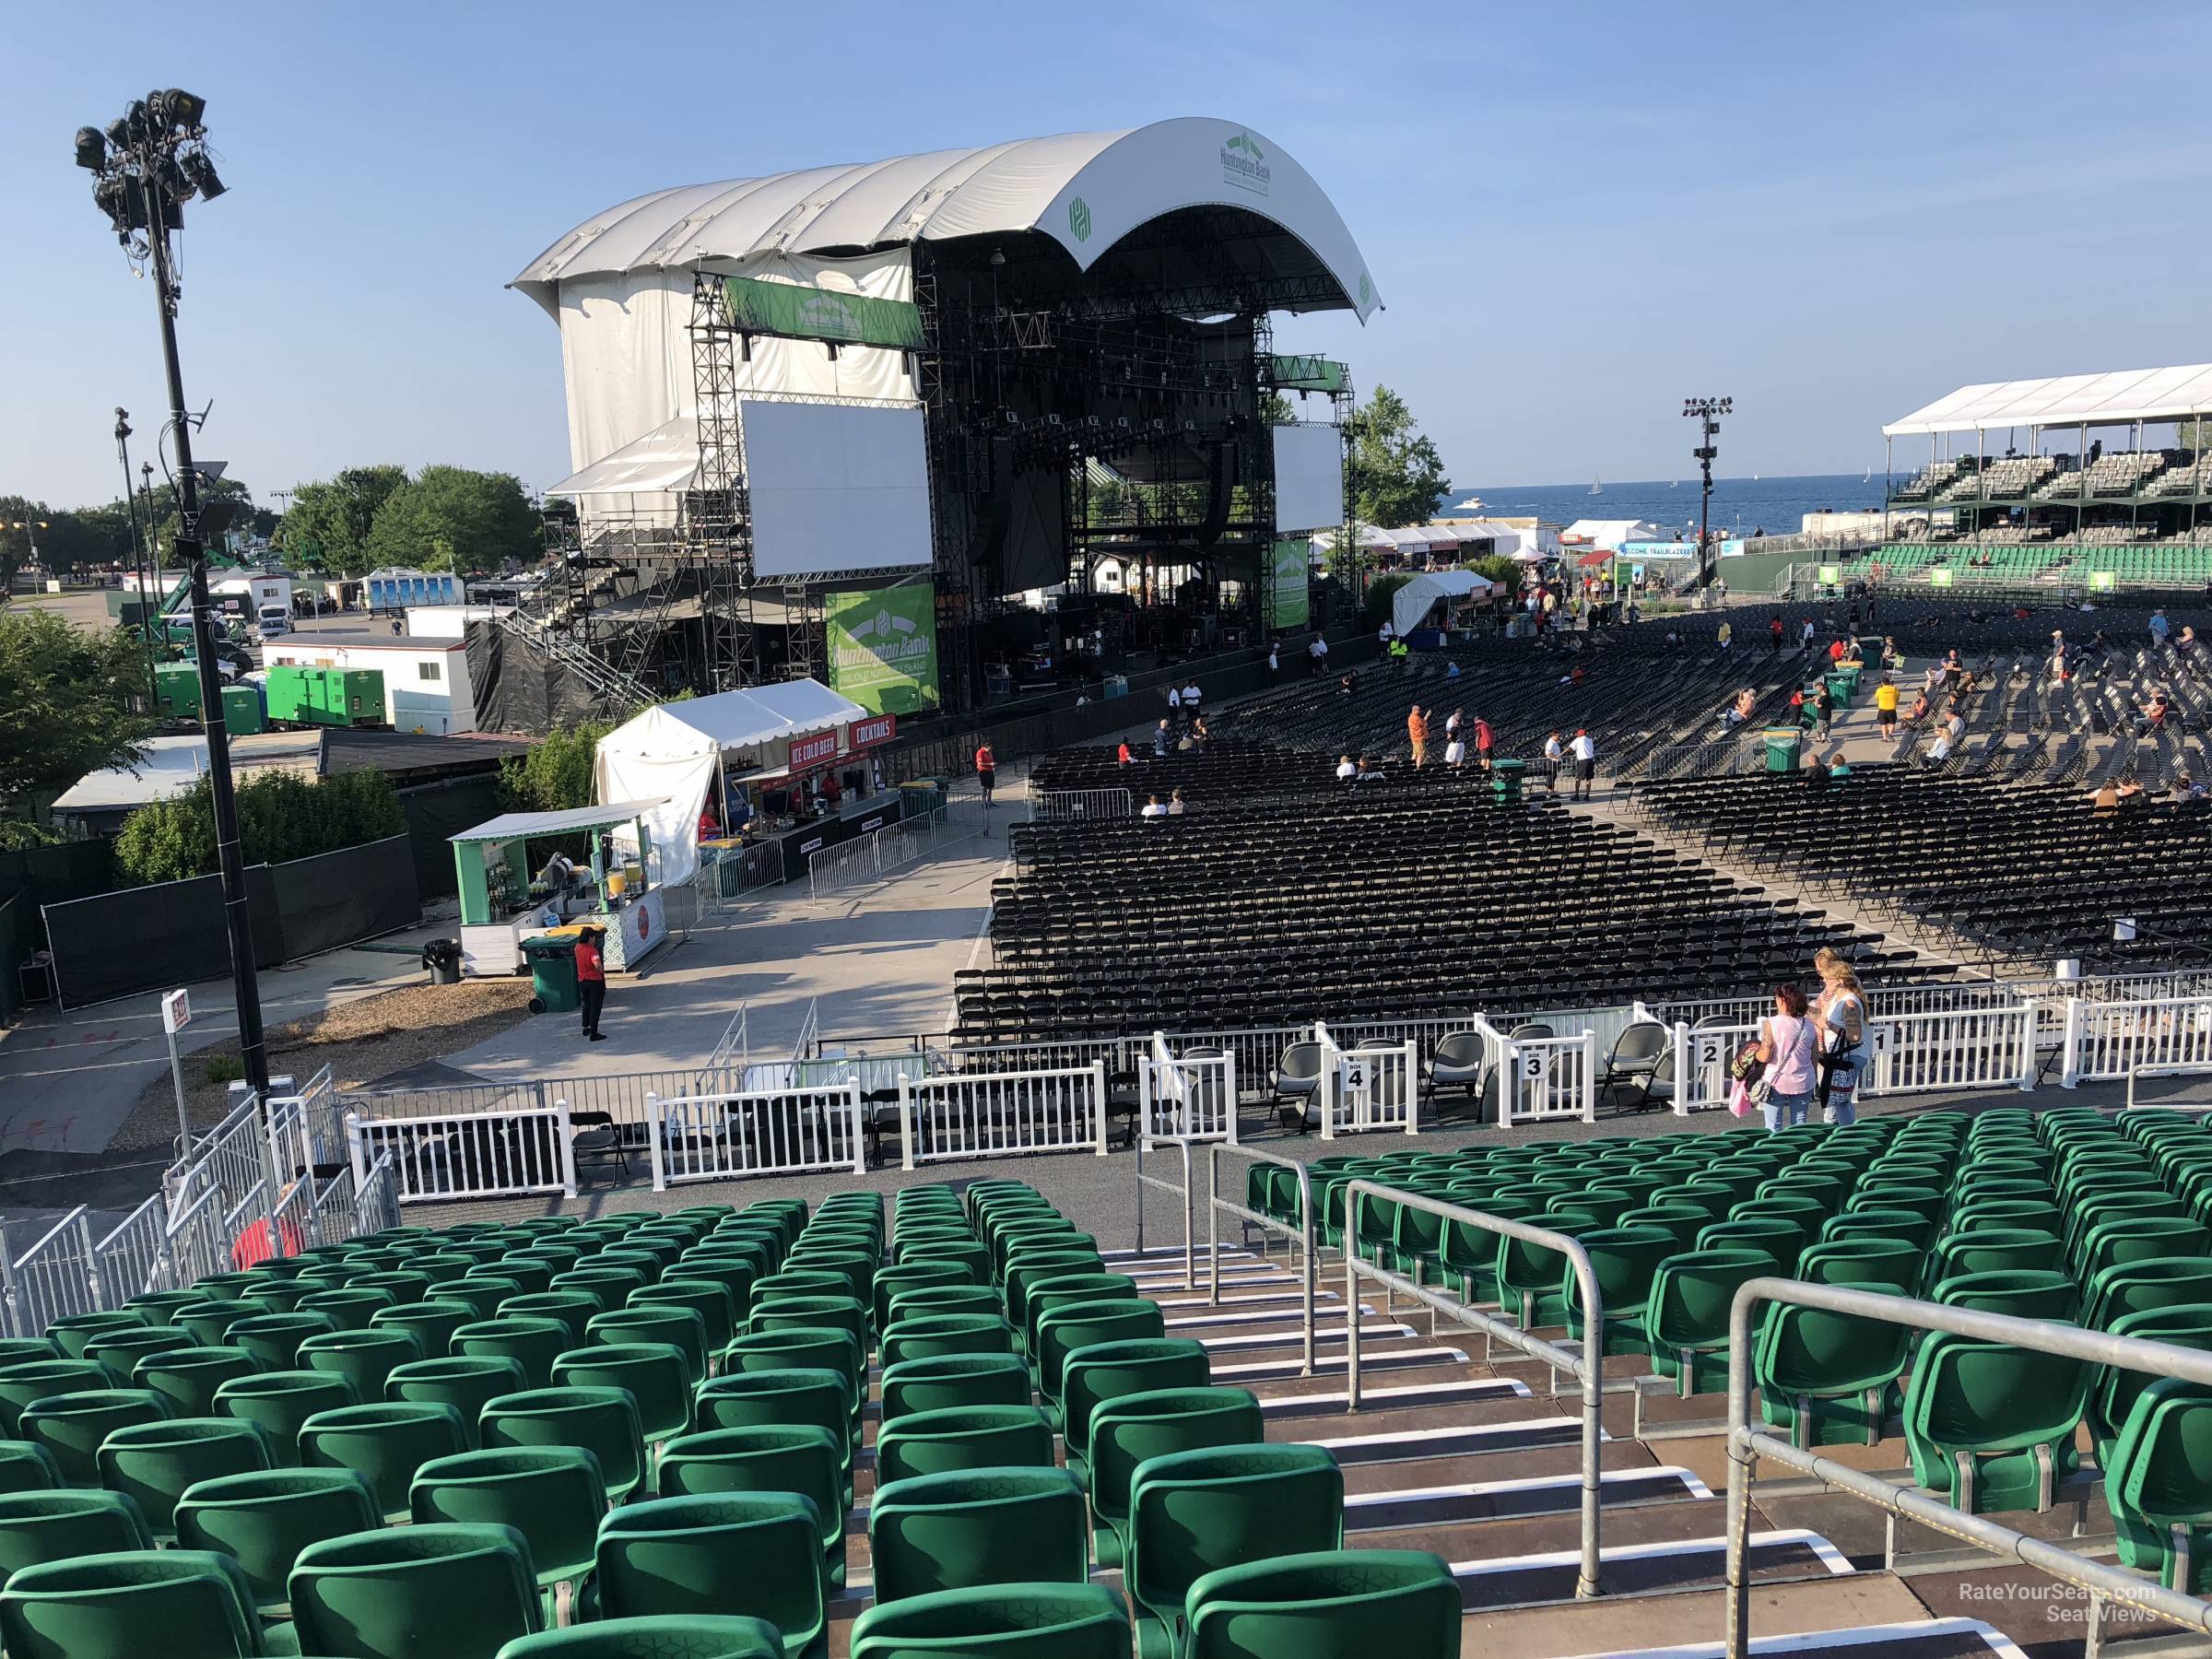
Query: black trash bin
x,y
442,958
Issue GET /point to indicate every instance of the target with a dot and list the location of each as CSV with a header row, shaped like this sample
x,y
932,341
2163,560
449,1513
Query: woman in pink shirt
x,y
1785,1044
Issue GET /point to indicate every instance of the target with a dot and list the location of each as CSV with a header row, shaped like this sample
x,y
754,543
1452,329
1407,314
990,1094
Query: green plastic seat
x,y
262,1520
2147,1282
282,1402
910,1276
1130,1429
804,1347
668,1324
431,1322
274,1338
573,1309
468,1382
2160,1484
153,1463
442,1592
604,1421
798,1395
712,1552
363,1355
386,1442
1829,1378
655,1374
30,1379
1624,1260
481,1292
709,1299
1993,1250
696,1636
26,1466
530,1341
40,1527
1334,1604
2113,1395
2139,1237
72,1426
925,1336
2026,1293
735,1273
1039,1621
552,1495
1527,1277
967,1527
128,1604
74,1333
767,1458
911,1300
954,1379
1991,1427
1066,1326
844,1313
1195,1512
937,1443
1867,1262
188,1377
1684,1323
349,1307
404,1284
120,1350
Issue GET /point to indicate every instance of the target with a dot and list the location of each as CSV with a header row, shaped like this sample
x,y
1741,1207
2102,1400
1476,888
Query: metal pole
x,y
140,546
230,856
176,1075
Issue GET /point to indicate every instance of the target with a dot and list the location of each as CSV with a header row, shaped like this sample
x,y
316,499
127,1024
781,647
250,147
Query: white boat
x,y
1869,478
1598,487
1674,483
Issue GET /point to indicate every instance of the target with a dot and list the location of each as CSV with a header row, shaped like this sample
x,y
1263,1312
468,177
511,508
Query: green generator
x,y
241,711
326,696
177,691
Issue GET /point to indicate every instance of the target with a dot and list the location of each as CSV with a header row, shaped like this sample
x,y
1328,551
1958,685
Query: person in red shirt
x,y
986,777
1485,741
255,1244
590,980
1122,754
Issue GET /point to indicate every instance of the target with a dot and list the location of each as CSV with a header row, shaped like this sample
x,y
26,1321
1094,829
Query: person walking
x,y
590,980
1160,739
1486,742
1785,1045
1554,752
1274,659
1884,708
1841,1016
1416,732
1585,761
1774,637
2159,628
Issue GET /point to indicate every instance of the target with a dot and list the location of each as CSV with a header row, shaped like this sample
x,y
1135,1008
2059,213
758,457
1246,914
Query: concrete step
x,y
1908,1638
1323,1396
1692,1622
1636,1570
1515,1499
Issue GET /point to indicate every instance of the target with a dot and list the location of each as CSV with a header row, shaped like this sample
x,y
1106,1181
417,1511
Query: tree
x,y
280,816
66,699
1379,591
555,774
1395,476
327,523
1500,570
454,518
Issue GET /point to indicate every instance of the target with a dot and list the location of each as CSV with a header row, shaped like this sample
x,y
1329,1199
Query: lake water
x,y
1739,505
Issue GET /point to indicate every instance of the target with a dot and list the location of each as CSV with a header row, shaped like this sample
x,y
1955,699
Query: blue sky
x,y
1577,214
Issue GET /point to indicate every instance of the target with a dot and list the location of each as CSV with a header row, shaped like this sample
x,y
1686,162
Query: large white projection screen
x,y
1309,477
835,487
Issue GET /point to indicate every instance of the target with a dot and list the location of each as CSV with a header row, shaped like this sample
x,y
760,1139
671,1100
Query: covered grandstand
x,y
2086,481
1007,366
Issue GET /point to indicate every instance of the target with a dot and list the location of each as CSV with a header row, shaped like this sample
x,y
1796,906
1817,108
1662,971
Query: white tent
x,y
1609,533
671,752
1411,602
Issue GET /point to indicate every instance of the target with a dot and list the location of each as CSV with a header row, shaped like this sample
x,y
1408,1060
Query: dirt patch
x,y
362,1041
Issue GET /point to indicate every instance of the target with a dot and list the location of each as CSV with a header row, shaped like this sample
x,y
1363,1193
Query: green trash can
x,y
1839,690
1505,780
1781,747
552,973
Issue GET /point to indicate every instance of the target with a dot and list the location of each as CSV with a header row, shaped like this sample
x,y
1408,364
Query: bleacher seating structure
x,y
1063,1452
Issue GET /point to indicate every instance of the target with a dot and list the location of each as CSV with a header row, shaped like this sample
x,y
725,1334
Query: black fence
x,y
171,933
436,812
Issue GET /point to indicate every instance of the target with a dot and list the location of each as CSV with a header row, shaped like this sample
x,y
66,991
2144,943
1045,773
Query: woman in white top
x,y
1840,1014
1785,1044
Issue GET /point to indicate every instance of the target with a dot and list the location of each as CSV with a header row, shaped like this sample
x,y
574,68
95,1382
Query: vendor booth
x,y
521,882
788,763
1410,605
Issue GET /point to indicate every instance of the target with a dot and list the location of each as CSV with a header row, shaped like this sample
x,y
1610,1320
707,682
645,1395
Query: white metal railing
x,y
195,1239
2107,1040
1542,1079
468,1155
1375,1086
319,1137
723,1137
735,1046
1193,1097
135,1258
997,1114
1701,1055
1922,1054
335,1208
877,853
230,1159
1074,805
55,1277
376,1208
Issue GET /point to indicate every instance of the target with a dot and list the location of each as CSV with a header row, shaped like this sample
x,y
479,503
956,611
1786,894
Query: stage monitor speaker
x,y
1217,506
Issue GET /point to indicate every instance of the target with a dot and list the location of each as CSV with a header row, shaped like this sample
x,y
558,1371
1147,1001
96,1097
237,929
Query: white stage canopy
x,y
670,753
2124,395
1411,602
1586,534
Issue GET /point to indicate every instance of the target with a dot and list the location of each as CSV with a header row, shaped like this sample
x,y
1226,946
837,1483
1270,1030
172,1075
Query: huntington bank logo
x,y
1244,164
1078,219
1366,288
888,637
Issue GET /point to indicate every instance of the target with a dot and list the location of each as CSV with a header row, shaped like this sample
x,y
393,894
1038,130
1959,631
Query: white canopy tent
x,y
1609,533
1411,602
2125,394
672,752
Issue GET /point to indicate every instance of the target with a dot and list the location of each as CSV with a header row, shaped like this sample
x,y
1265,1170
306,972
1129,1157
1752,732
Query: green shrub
x,y
280,816
555,775
221,1069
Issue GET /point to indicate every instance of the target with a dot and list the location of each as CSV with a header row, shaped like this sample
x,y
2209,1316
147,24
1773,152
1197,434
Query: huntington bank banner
x,y
815,313
883,647
1286,600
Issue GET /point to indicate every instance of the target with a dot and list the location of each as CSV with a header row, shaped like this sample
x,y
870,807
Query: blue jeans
x,y
1789,1109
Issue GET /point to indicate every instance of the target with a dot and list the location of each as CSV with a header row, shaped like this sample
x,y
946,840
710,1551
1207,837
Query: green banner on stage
x,y
883,647
1309,374
812,314
1287,608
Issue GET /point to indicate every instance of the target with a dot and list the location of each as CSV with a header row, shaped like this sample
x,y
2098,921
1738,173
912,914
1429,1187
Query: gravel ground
x,y
362,1041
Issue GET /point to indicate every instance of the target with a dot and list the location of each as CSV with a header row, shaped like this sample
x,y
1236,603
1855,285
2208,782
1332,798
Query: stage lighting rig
x,y
1707,413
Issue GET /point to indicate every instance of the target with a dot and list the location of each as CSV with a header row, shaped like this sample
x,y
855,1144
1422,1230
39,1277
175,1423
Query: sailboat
x,y
1674,483
1598,487
1869,478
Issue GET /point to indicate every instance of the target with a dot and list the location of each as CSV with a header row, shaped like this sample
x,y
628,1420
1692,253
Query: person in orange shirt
x,y
1417,729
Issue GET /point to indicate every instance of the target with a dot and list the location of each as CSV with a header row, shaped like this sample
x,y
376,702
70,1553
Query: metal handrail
x,y
1587,1367
1747,1445
1181,1143
1308,1261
